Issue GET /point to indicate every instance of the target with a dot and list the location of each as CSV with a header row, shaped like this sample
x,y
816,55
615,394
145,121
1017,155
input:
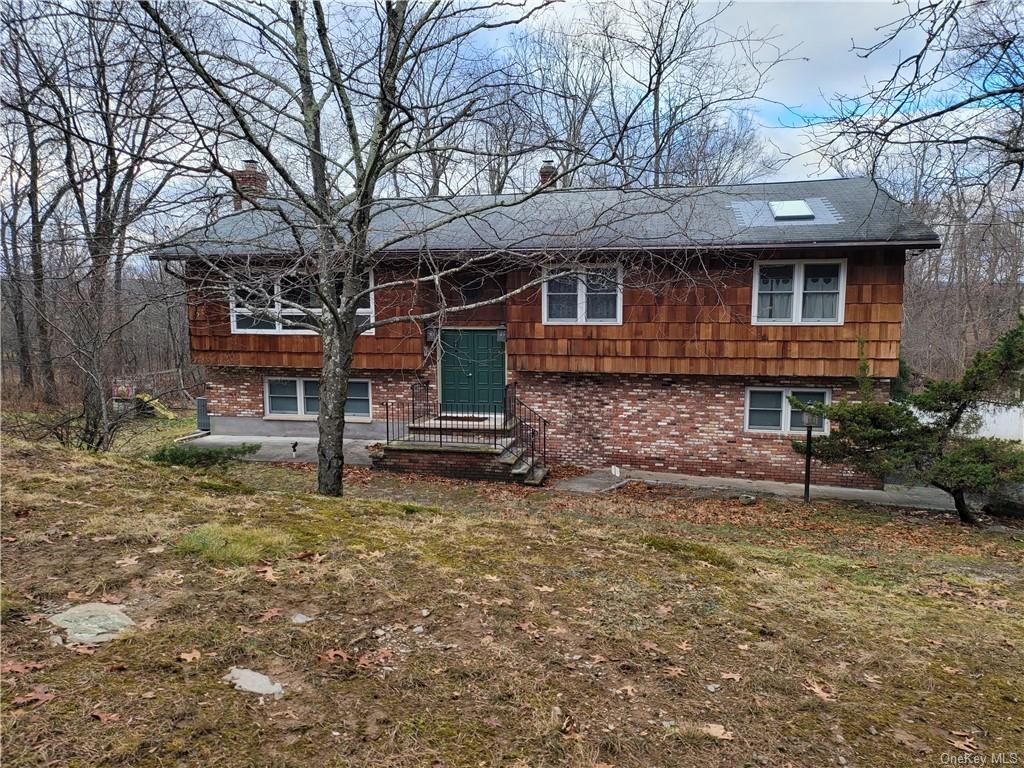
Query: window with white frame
x,y
588,294
808,292
276,306
301,398
769,410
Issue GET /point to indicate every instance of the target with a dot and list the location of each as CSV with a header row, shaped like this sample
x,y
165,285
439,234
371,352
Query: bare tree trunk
x,y
37,222
16,301
49,380
331,422
963,509
27,380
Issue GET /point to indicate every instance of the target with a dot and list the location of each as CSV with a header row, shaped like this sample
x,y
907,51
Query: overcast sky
x,y
823,34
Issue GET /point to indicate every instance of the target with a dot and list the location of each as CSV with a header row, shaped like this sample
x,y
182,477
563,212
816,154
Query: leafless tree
x,y
943,132
959,92
961,297
35,190
96,159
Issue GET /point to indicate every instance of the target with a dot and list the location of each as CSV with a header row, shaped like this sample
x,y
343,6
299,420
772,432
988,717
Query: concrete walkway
x,y
600,481
280,448
893,495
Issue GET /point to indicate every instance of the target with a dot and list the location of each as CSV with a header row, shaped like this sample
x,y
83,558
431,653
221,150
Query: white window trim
x,y
371,312
581,297
786,410
286,330
798,292
301,394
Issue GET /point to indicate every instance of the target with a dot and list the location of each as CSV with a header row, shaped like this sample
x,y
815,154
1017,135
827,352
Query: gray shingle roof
x,y
850,210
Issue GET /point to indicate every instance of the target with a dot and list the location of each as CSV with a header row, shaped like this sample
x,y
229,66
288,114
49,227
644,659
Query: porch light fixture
x,y
430,334
502,334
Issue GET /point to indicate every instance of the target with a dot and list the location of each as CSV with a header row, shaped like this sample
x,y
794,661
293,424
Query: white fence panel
x,y
999,421
1007,423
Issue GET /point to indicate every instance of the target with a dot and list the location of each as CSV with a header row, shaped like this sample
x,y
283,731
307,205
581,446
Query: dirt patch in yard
x,y
467,624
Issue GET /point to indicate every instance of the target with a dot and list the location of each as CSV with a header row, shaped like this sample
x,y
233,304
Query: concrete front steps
x,y
425,452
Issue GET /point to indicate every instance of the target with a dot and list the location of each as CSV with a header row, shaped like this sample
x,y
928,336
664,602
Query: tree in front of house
x,y
926,438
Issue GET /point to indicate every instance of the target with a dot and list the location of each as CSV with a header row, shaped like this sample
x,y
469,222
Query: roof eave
x,y
921,244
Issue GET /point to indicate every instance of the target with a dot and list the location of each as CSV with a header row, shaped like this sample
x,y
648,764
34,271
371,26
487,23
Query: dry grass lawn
x,y
462,624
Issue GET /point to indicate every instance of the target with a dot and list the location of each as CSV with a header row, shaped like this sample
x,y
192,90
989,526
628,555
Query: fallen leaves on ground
x,y
374,659
333,654
267,572
634,662
964,741
38,696
716,731
823,691
11,667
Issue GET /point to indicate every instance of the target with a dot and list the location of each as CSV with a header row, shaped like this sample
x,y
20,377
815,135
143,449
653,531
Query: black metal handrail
x,y
529,427
511,424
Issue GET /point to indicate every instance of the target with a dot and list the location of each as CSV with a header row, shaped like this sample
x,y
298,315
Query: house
x,y
689,319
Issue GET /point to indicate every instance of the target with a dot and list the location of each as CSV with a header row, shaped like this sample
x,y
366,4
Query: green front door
x,y
472,371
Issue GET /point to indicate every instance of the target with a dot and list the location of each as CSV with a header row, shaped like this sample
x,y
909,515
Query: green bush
x,y
202,456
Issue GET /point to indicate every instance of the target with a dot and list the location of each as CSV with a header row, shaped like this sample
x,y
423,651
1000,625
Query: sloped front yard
x,y
460,624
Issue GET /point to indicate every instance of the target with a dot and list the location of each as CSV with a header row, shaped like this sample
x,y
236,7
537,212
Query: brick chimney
x,y
250,180
547,173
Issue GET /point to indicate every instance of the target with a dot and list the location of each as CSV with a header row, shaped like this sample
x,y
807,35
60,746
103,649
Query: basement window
x,y
799,292
587,295
287,398
769,410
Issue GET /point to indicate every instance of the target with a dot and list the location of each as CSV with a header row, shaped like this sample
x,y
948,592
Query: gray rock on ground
x,y
92,622
253,682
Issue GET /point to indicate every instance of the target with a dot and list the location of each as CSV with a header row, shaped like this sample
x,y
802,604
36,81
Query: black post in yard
x,y
807,461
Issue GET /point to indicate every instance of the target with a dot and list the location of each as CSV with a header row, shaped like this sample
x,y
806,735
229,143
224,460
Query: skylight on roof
x,y
790,210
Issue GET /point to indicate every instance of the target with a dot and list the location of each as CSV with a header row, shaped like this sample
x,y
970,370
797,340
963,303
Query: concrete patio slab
x,y
280,448
917,497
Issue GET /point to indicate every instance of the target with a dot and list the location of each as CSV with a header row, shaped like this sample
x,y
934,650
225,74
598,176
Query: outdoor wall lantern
x,y
502,334
430,334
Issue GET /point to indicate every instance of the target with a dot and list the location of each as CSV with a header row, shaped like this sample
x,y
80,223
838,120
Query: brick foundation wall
x,y
462,465
692,425
239,391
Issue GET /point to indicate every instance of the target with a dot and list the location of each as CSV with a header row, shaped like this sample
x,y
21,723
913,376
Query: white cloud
x,y
820,38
